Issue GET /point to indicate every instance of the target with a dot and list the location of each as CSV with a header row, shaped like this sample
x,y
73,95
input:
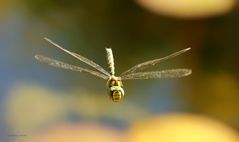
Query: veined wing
x,y
153,62
173,73
59,64
81,58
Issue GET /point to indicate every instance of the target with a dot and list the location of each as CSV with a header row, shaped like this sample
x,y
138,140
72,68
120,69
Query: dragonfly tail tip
x,y
107,48
189,71
47,39
36,56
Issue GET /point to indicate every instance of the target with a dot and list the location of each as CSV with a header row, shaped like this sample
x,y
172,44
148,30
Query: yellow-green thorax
x,y
115,90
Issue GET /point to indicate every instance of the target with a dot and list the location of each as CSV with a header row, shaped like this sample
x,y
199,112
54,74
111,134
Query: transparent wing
x,y
173,73
81,58
66,66
153,62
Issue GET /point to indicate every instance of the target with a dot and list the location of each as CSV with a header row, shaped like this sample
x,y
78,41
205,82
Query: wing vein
x,y
60,64
151,63
79,57
173,73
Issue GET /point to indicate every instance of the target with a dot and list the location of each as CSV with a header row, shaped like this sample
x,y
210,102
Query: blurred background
x,y
39,103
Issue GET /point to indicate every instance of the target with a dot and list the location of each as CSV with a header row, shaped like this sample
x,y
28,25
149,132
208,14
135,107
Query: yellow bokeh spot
x,y
181,128
83,132
188,8
29,106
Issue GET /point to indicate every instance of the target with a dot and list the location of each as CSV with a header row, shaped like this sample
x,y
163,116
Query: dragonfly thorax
x,y
115,90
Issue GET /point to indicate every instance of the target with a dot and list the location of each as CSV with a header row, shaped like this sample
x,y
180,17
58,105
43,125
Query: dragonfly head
x,y
115,90
116,93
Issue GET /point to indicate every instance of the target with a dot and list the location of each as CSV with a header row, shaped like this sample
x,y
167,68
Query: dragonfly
x,y
114,83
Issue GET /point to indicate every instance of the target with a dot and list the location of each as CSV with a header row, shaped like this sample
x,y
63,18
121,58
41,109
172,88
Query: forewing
x,y
59,64
152,62
81,58
173,73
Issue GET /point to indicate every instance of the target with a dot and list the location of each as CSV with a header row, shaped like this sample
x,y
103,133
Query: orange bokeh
x,y
188,8
181,128
67,132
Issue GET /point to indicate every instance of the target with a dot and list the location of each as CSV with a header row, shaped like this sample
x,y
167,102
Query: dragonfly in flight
x,y
114,83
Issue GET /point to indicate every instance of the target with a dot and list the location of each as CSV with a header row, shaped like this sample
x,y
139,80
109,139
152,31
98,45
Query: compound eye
x,y
112,83
119,83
